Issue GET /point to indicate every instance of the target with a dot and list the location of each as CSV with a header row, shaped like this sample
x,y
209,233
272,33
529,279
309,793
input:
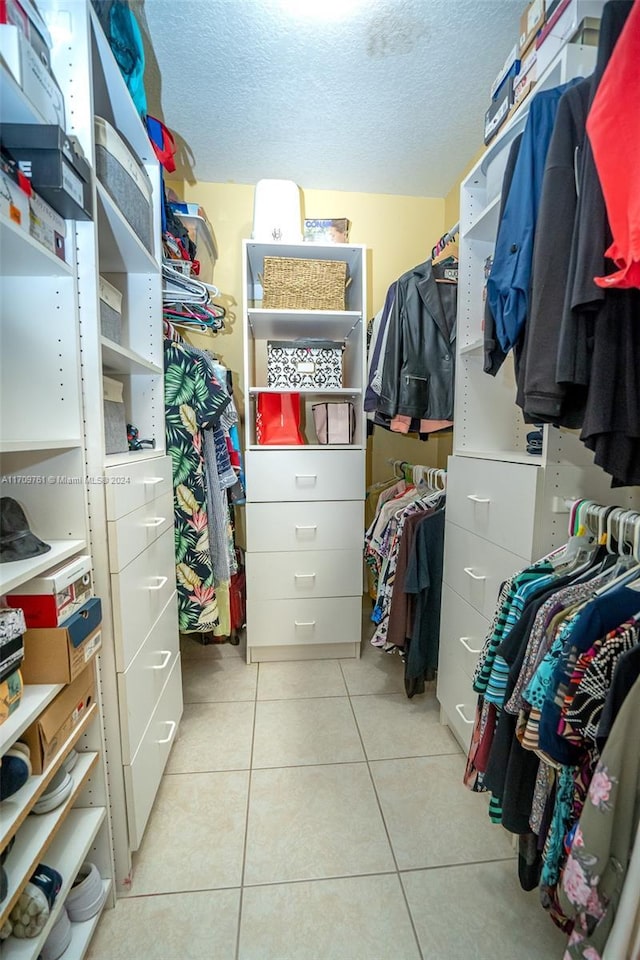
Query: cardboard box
x,y
531,21
499,110
327,231
561,27
50,600
32,74
14,201
57,722
59,654
528,74
46,226
510,68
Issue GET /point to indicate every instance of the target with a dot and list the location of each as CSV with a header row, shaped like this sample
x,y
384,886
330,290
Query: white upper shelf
x,y
15,106
22,256
119,359
285,324
15,572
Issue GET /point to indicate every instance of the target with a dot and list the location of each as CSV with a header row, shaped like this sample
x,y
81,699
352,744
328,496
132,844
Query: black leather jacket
x,y
419,362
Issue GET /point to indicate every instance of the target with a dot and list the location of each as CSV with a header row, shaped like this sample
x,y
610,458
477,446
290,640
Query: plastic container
x,y
277,211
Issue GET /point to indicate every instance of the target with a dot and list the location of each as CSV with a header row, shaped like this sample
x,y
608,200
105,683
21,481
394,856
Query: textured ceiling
x,y
381,96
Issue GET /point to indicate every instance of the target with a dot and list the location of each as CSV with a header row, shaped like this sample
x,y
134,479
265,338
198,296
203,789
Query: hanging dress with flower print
x,y
194,402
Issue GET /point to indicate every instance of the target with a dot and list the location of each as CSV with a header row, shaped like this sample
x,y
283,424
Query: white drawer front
x,y
140,593
283,475
456,695
282,622
139,688
497,501
132,534
336,525
142,777
463,630
475,568
132,485
285,576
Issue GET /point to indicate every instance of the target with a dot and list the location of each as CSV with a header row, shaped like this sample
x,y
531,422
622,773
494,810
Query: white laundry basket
x,y
277,211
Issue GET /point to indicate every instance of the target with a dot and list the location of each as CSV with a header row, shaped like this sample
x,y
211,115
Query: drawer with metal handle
x,y
322,573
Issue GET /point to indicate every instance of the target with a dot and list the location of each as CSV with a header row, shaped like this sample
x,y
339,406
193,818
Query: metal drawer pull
x,y
472,496
155,522
150,481
310,526
307,476
305,576
474,576
303,623
463,641
160,585
172,724
165,660
459,707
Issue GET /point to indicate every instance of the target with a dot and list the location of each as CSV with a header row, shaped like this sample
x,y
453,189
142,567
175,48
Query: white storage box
x,y
304,364
46,226
32,74
277,211
49,600
125,180
561,27
110,311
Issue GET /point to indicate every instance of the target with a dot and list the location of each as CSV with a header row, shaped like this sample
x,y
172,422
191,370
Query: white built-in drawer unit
x,y
305,574
285,622
142,776
282,475
136,531
140,686
494,500
311,525
475,568
131,485
455,693
462,629
140,592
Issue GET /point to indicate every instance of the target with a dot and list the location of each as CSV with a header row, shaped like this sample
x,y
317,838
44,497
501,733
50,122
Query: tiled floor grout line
x,y
246,822
384,822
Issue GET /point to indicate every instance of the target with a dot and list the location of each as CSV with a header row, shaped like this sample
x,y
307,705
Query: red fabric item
x,y
613,126
278,419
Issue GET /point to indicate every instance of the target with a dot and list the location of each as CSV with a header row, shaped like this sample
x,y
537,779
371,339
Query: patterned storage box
x,y
125,180
304,364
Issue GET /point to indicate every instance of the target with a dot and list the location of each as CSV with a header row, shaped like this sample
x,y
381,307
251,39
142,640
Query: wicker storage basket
x,y
290,284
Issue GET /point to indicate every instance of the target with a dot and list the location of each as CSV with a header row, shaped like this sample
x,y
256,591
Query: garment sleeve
x,y
392,359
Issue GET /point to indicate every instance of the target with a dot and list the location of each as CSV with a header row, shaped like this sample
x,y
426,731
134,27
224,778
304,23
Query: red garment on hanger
x,y
613,126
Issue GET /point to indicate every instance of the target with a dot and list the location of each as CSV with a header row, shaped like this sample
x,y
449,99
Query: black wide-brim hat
x,y
16,540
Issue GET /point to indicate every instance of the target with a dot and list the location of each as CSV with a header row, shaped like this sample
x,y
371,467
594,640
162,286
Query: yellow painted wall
x,y
399,233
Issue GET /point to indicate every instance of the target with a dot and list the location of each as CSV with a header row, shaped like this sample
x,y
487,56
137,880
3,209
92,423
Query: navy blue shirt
x,y
509,282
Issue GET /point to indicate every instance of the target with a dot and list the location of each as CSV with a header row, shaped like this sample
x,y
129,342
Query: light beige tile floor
x,y
311,812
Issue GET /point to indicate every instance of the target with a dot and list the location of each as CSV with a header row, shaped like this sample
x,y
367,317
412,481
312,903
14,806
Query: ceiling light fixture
x,y
321,9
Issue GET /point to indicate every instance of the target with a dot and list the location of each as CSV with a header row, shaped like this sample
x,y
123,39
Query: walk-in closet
x,y
319,480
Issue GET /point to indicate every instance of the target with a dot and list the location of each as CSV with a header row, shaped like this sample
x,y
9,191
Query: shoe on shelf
x,y
56,792
59,938
22,748
48,880
15,770
30,913
87,894
70,760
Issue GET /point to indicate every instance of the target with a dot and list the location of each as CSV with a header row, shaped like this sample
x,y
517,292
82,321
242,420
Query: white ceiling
x,y
381,96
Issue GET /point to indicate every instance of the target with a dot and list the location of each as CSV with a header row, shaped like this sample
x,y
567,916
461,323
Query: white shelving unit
x,y
499,498
304,572
43,465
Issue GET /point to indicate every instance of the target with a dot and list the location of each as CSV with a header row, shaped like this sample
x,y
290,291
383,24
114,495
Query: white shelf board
x,y
66,854
257,250
126,117
474,347
19,571
119,359
310,391
15,105
121,250
507,456
284,324
485,226
22,256
16,807
26,446
305,446
37,835
35,698
133,456
81,933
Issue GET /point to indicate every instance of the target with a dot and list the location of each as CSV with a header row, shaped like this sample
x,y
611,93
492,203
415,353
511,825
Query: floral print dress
x,y
194,402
